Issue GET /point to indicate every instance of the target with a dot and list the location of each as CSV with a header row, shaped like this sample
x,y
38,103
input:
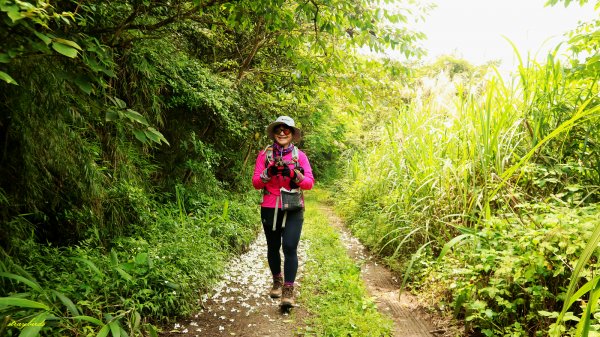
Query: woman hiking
x,y
282,171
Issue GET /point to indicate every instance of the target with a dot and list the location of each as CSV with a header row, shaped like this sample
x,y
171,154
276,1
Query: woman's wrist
x,y
299,177
264,176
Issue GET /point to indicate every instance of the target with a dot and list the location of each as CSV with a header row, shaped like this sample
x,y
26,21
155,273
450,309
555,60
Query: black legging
x,y
289,236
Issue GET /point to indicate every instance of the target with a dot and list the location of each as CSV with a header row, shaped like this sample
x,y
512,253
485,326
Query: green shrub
x,y
155,274
504,276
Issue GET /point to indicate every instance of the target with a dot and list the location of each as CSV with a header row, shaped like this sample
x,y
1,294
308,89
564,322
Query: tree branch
x,y
127,24
258,42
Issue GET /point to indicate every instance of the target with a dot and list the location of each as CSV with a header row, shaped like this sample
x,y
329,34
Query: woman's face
x,y
283,135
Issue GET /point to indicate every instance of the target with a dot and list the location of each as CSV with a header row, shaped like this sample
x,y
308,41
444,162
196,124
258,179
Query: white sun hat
x,y
286,120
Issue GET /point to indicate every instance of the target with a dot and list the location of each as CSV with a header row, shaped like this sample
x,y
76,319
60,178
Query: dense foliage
x,y
128,133
332,288
129,130
483,191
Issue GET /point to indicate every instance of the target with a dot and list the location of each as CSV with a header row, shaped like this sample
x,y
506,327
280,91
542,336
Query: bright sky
x,y
473,29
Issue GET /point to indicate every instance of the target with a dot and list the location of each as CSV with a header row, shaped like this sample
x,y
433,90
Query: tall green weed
x,y
466,167
153,275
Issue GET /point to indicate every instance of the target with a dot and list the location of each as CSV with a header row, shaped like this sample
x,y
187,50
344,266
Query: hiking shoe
x,y
287,297
277,285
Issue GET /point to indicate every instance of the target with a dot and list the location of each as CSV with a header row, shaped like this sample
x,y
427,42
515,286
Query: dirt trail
x,y
239,305
410,319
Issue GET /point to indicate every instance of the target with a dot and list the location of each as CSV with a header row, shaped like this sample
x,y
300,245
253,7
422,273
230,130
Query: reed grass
x,y
442,170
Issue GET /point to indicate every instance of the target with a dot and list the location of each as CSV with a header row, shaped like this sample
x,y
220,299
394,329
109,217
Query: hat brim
x,y
297,132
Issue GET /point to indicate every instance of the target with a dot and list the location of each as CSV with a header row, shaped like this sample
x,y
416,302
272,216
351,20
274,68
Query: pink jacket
x,y
276,182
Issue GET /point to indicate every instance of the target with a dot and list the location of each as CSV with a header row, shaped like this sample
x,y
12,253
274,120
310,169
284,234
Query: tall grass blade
x,y
225,214
390,233
410,264
406,237
31,283
580,116
104,331
451,243
583,328
180,203
115,329
67,302
23,303
586,288
589,249
90,264
35,325
88,319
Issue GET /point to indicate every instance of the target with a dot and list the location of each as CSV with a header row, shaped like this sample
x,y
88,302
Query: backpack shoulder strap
x,y
295,154
268,154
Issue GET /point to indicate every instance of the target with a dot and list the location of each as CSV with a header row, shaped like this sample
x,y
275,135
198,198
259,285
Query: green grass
x,y
152,276
475,172
332,289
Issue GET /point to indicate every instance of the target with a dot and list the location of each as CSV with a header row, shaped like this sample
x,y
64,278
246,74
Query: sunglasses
x,y
286,131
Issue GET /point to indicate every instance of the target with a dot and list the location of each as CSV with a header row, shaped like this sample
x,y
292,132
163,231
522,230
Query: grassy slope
x,y
332,289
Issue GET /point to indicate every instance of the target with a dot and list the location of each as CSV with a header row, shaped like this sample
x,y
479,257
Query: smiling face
x,y
283,135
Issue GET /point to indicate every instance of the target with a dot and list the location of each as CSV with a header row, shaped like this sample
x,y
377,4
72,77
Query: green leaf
x,y
13,12
64,49
35,325
67,302
171,285
32,284
152,330
109,72
84,85
135,116
156,136
451,243
141,258
68,43
115,329
114,259
89,264
4,76
111,115
140,135
136,321
104,331
4,58
45,38
124,274
153,136
88,319
119,103
23,303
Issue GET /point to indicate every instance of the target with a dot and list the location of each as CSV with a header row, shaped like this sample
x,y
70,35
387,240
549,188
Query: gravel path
x,y
240,306
410,319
